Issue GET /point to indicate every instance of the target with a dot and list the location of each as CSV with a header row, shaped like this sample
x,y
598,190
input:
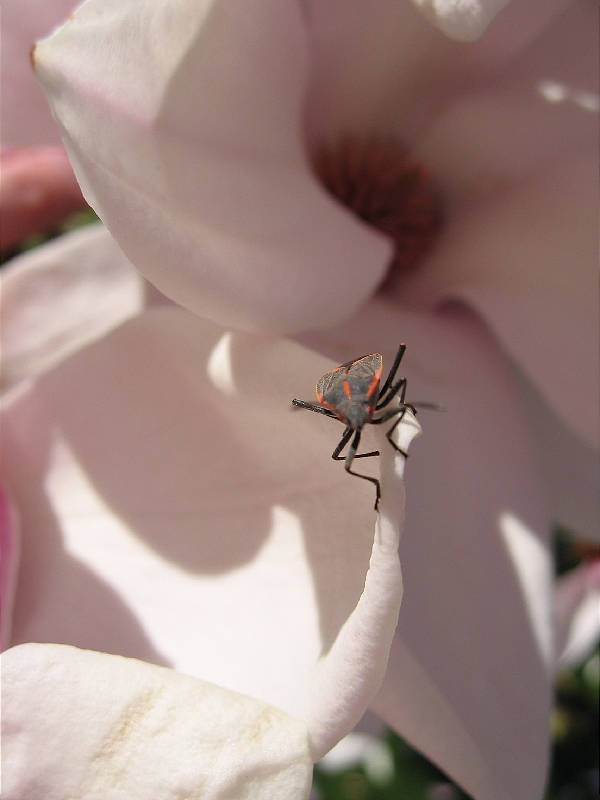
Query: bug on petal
x,y
351,393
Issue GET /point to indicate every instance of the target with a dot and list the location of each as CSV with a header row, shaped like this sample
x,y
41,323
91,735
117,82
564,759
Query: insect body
x,y
351,394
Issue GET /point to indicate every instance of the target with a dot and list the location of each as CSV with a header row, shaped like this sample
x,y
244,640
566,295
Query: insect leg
x,y
351,455
393,371
400,386
343,442
314,407
388,415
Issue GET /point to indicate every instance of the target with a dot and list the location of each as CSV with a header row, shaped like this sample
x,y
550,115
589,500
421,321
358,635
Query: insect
x,y
350,393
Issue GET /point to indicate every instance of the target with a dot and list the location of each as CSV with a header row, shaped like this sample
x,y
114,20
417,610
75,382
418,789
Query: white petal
x,y
57,298
361,749
177,508
88,725
184,127
349,674
577,608
468,677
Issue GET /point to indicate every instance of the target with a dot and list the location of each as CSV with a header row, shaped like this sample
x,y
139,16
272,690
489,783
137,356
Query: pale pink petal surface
x,y
9,563
518,165
192,154
90,726
568,466
57,298
381,68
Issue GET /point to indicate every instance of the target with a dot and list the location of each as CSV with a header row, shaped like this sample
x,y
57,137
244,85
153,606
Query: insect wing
x,y
358,379
330,388
363,376
351,363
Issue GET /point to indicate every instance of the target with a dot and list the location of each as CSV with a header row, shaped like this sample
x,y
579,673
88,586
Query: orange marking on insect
x,y
347,390
340,416
374,384
325,404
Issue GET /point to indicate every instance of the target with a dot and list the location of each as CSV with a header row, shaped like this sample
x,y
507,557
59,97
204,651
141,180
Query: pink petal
x,y
515,248
541,108
9,563
468,678
184,131
58,297
372,63
569,467
89,726
533,283
381,68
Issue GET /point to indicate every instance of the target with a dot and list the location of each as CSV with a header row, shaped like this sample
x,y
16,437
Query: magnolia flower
x,y
170,480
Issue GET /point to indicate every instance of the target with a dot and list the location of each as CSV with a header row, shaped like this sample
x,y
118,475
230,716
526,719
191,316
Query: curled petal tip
x,y
463,20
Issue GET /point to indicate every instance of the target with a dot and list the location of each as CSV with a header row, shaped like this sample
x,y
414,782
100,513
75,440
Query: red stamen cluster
x,y
383,187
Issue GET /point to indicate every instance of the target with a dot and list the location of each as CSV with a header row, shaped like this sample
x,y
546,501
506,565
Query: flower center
x,y
379,182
